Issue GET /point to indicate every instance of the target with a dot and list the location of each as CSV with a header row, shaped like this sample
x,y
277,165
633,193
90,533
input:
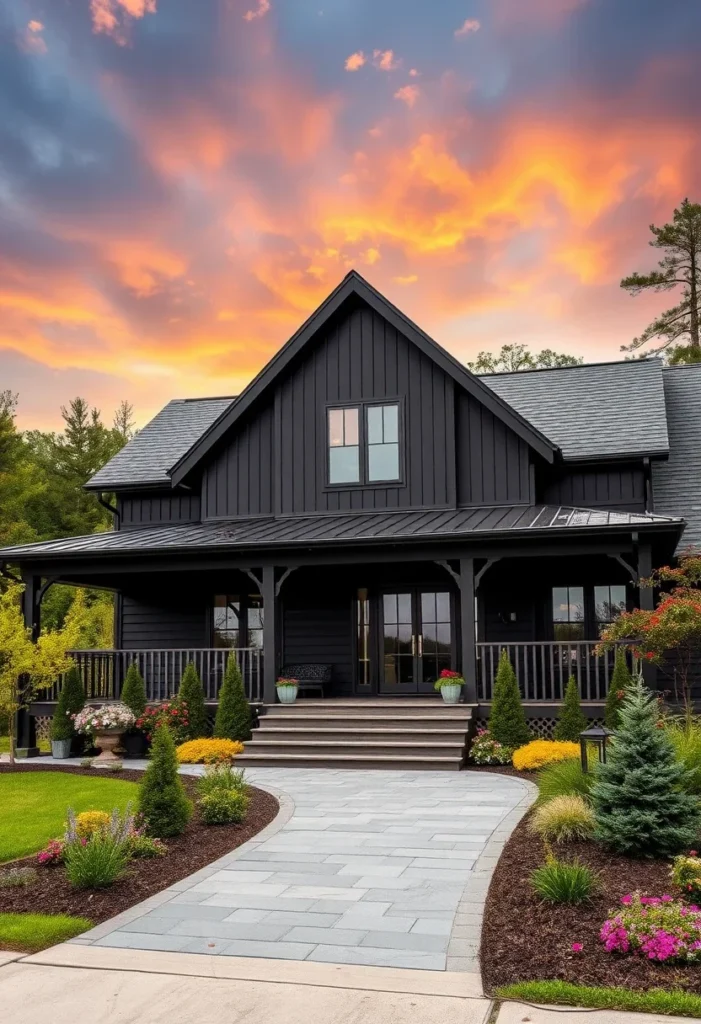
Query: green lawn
x,y
675,1003
44,745
33,806
28,933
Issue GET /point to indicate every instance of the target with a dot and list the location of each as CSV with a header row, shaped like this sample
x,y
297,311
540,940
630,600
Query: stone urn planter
x,y
61,748
450,685
106,724
287,690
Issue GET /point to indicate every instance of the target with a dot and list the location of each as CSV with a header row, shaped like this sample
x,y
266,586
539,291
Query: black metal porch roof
x,y
503,520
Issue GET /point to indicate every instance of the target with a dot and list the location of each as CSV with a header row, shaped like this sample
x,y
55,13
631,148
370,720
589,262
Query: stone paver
x,y
381,868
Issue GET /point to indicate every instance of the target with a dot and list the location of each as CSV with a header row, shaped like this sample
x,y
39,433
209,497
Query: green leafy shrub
x,y
507,721
221,776
571,720
97,863
233,718
685,734
70,701
223,807
134,691
638,794
686,875
141,845
484,749
191,695
621,682
563,778
558,881
162,801
564,819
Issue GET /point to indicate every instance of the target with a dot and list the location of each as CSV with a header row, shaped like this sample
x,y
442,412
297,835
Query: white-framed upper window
x,y
383,442
363,444
344,446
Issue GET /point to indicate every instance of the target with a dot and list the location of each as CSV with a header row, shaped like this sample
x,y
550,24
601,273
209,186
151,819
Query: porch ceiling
x,y
504,520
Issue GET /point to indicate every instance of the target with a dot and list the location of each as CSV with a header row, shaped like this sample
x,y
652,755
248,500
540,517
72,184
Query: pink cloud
x,y
414,73
385,60
259,12
32,40
113,17
407,94
468,26
355,61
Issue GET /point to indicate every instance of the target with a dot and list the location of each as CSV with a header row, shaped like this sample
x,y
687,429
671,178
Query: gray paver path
x,y
381,868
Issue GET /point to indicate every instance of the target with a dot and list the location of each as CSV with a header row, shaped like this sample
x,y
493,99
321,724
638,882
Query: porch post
x,y
467,628
270,631
25,726
647,603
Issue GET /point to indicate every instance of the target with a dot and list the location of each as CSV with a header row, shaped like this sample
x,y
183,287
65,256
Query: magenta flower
x,y
577,947
627,899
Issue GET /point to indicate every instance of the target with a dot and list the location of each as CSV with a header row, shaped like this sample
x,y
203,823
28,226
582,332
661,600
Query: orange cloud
x,y
32,41
406,279
258,12
385,60
355,61
468,26
407,94
113,17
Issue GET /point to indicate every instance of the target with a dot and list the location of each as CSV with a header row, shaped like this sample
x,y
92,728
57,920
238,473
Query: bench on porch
x,y
309,677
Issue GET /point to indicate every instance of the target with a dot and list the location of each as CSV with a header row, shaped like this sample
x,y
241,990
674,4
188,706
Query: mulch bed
x,y
524,939
198,846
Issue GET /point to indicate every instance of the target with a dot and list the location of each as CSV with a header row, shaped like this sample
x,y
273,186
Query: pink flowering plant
x,y
486,750
51,854
686,875
108,716
654,927
173,713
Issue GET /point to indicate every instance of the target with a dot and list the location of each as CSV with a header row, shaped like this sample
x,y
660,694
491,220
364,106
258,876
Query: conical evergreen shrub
x,y
71,700
507,722
162,800
621,681
233,719
134,690
571,719
637,795
192,695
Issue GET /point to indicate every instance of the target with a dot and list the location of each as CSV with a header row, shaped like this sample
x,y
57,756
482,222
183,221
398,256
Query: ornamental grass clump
x,y
163,804
221,776
98,860
507,720
638,794
571,721
233,718
563,778
205,751
564,819
659,928
559,881
484,749
541,752
191,694
685,735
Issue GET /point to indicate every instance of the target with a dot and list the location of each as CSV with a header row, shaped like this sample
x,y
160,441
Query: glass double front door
x,y
416,638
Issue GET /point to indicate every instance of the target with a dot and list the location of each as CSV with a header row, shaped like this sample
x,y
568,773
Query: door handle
x,y
413,645
421,645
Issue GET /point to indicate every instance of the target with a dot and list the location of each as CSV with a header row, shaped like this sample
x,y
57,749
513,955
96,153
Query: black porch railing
x,y
102,672
544,667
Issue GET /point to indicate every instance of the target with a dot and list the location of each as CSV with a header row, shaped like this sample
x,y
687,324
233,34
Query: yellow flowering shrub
x,y
205,751
89,822
541,752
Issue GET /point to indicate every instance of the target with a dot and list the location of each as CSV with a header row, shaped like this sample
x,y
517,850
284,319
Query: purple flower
x,y
577,947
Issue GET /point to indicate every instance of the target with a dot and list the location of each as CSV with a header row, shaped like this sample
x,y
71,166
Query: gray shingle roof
x,y
332,529
676,484
147,458
594,411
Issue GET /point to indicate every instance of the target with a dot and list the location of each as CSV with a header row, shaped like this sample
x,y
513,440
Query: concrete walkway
x,y
380,868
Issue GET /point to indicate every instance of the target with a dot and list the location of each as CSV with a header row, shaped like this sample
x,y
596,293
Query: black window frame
x,y
247,603
364,482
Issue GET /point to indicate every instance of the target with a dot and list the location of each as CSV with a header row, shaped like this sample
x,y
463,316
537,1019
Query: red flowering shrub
x,y
172,713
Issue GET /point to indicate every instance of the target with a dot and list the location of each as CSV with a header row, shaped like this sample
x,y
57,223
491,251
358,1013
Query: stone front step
x,y
357,721
348,761
330,732
265,745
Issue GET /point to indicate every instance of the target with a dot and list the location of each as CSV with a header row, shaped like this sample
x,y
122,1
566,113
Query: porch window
x,y
568,613
383,442
609,602
344,446
237,620
363,636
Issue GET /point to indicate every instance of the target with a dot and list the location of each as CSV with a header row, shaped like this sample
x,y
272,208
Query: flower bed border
x,y
195,849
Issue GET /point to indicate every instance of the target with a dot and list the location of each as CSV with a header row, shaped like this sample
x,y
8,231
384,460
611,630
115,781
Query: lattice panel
x,y
43,726
544,726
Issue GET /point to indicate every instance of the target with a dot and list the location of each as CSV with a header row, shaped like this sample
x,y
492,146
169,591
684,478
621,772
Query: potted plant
x,y
287,690
450,685
134,742
71,700
106,724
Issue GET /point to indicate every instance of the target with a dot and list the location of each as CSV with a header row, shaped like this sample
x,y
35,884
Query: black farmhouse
x,y
370,512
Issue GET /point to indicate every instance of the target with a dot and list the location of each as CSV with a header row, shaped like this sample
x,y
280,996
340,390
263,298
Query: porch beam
x,y
467,628
270,634
647,603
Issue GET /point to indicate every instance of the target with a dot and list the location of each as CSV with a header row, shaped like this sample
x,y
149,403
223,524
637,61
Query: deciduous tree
x,y
517,357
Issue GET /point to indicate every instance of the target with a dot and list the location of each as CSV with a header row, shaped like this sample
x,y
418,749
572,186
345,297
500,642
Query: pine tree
x,y
162,800
571,720
192,695
507,722
637,795
71,700
621,681
134,690
233,720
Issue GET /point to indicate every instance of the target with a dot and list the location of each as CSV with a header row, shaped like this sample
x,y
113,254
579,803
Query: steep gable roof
x,y
146,459
676,484
353,285
593,411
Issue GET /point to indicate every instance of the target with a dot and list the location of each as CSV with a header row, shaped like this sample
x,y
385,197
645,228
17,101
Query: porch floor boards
x,y
361,733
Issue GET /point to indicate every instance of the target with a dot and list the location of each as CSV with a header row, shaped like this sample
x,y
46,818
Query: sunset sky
x,y
183,181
